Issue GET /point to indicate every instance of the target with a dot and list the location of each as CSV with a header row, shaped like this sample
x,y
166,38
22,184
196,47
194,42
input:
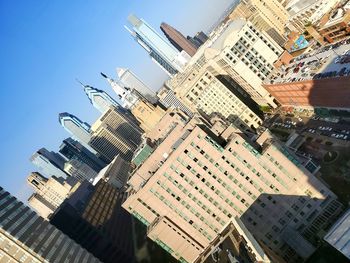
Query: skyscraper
x,y
26,237
49,163
178,40
99,99
114,134
132,81
160,50
126,95
78,129
74,150
195,183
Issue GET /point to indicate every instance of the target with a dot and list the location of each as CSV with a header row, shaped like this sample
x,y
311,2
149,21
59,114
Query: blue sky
x,y
45,45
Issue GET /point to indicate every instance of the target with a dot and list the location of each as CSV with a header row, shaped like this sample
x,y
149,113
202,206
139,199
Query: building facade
x,y
161,51
26,237
194,183
54,190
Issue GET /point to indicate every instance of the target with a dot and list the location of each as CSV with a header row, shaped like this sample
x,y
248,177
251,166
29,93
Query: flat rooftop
x,y
317,64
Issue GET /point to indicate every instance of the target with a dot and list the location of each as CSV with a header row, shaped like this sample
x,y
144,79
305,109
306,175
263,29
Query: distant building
x,y
49,163
26,237
178,40
199,39
132,81
53,190
339,235
79,130
74,150
100,99
161,51
93,217
79,170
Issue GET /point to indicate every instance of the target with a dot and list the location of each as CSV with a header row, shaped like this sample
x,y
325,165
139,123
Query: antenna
x,y
77,80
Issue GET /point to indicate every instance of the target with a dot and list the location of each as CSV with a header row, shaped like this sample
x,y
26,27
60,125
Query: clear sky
x,y
45,45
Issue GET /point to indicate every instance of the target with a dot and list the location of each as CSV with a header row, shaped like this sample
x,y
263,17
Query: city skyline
x,y
62,54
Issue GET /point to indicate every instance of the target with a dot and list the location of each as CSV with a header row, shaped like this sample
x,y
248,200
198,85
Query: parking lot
x,y
327,62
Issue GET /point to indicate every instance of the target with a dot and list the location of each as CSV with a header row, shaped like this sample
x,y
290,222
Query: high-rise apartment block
x,y
79,130
26,237
53,190
74,150
49,163
160,50
93,217
113,134
192,186
178,40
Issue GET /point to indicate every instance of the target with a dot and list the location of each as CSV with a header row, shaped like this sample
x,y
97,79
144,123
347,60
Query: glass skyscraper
x,y
50,163
73,150
78,129
160,50
99,99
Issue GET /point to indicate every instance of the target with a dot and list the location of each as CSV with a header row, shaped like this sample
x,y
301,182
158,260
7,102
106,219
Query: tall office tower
x,y
241,52
49,163
93,217
79,130
269,17
79,170
99,99
195,183
26,237
160,50
113,134
54,189
74,150
178,40
132,81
